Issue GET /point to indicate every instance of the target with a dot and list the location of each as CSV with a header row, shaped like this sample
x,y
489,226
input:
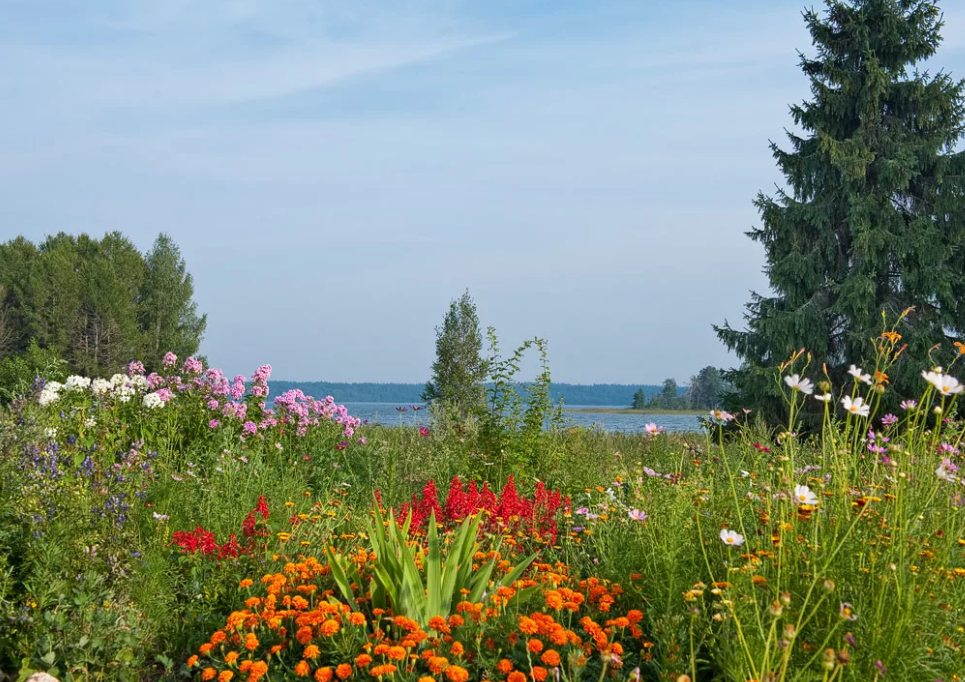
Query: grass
x,y
618,410
847,559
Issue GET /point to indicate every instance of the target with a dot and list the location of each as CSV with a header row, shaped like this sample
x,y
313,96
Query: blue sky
x,y
335,172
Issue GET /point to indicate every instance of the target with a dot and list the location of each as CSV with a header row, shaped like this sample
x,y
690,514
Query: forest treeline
x,y
93,305
402,393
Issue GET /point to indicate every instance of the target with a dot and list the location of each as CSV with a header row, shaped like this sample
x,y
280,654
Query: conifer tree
x,y
459,371
872,219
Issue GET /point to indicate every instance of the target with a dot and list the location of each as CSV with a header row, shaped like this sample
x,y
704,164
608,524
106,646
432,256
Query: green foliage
x,y
874,215
97,304
639,400
707,389
669,398
459,371
167,312
512,433
18,372
446,577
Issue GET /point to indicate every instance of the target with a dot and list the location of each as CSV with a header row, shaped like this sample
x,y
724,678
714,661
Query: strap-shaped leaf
x,y
341,579
433,572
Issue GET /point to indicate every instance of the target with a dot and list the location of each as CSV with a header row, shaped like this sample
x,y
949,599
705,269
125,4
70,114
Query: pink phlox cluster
x,y
238,387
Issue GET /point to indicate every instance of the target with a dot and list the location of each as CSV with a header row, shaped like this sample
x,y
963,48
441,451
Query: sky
x,y
336,172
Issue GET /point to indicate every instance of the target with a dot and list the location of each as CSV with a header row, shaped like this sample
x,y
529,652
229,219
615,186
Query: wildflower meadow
x,y
184,525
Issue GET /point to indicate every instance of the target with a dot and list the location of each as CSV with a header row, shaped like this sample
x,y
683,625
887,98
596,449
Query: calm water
x,y
386,413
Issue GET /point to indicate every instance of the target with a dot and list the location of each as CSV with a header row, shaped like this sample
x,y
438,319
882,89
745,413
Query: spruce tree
x,y
872,217
459,372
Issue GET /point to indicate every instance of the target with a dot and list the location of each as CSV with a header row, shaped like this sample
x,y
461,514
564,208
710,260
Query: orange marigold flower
x,y
362,660
275,648
554,600
457,673
505,666
380,670
225,676
251,641
528,626
357,618
455,620
438,663
311,651
516,676
323,674
426,678
634,615
304,634
257,671
208,674
246,583
550,658
534,645
192,661
344,671
396,653
301,668
231,657
245,666
218,637
457,649
205,648
330,627
539,673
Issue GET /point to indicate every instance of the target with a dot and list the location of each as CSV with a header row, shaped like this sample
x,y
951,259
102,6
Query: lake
x,y
386,413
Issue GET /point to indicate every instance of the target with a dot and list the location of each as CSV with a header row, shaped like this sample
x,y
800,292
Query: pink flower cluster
x,y
233,404
294,407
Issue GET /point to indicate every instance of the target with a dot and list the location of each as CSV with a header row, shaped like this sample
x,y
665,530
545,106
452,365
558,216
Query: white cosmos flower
x,y
859,375
100,387
824,397
118,380
721,417
796,383
731,538
803,495
946,385
856,406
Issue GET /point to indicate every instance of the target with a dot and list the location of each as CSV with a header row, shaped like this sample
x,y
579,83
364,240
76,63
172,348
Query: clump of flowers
x,y
508,513
548,625
203,543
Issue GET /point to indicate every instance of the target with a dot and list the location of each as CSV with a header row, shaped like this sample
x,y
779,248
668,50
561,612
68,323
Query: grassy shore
x,y
618,410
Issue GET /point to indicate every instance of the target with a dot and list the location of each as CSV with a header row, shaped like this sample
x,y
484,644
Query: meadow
x,y
177,525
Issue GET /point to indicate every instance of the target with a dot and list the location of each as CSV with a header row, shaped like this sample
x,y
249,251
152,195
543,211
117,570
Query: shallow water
x,y
387,413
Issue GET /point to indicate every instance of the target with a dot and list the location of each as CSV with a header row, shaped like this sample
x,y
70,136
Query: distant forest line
x,y
368,392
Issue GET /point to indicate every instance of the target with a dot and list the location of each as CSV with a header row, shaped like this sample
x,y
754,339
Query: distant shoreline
x,y
617,410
